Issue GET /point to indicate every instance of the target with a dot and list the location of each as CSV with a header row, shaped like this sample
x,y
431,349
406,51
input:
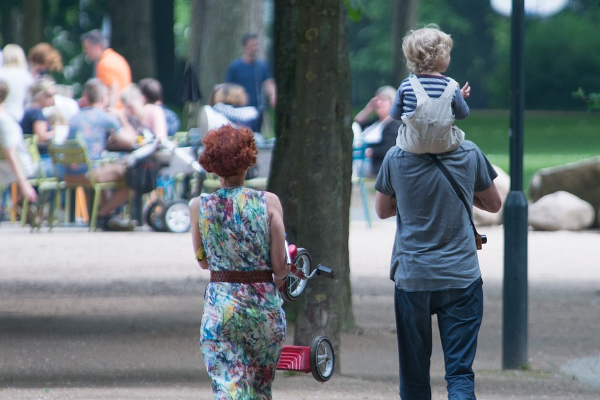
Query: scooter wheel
x,y
176,216
321,358
152,216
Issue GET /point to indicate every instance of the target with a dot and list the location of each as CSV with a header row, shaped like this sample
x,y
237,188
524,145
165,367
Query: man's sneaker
x,y
117,224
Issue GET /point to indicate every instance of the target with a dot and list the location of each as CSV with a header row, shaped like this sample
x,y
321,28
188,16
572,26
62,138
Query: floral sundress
x,y
243,325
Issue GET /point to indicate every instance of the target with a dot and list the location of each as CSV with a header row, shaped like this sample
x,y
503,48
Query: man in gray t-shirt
x,y
434,261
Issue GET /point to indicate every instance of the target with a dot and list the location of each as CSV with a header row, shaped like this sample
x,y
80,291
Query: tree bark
x,y
164,47
404,16
11,22
311,167
132,35
217,30
32,23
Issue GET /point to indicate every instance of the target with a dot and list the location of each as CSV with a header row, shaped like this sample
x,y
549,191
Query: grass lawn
x,y
550,138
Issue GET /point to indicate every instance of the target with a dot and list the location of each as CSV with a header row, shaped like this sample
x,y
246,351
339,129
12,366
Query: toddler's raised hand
x,y
466,90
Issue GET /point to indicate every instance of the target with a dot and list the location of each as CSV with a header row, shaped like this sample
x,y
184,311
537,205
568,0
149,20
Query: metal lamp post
x,y
514,319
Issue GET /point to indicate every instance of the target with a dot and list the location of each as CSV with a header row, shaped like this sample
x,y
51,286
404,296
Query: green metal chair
x,y
44,184
211,183
74,152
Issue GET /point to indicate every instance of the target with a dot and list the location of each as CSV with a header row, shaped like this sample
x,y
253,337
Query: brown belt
x,y
241,276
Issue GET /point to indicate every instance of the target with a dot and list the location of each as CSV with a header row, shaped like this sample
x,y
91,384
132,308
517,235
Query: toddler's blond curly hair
x,y
424,48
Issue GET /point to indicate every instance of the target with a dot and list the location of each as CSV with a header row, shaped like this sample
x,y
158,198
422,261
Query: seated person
x,y
141,115
44,59
65,106
380,130
231,100
99,129
15,163
35,123
152,91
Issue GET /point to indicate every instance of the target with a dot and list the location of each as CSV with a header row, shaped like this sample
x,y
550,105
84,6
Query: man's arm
x,y
488,200
113,94
122,134
271,90
385,206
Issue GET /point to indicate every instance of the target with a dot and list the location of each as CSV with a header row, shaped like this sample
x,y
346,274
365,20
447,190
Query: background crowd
x,y
113,113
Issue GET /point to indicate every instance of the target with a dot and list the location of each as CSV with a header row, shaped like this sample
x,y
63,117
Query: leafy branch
x,y
592,99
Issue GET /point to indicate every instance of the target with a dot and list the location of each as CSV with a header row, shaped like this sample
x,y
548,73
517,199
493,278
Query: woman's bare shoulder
x,y
194,203
273,202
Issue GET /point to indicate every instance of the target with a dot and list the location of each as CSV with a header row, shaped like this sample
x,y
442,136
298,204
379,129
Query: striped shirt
x,y
405,102
240,115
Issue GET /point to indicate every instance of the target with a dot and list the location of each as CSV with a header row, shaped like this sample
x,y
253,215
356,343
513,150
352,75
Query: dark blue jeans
x,y
459,313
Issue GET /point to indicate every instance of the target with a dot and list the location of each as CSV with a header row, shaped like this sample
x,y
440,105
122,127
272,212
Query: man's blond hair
x,y
94,89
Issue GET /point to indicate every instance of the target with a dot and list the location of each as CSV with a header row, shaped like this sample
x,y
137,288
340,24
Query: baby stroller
x,y
167,209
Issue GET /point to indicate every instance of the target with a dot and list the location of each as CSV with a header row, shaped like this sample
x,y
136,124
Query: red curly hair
x,y
228,150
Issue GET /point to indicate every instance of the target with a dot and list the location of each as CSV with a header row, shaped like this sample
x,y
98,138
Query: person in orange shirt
x,y
111,68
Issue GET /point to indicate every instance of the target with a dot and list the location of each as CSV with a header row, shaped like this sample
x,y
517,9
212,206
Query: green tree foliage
x,y
369,46
592,100
561,55
561,52
64,23
465,20
468,23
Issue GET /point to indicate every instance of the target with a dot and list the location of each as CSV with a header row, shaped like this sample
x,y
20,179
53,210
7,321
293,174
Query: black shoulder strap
x,y
454,185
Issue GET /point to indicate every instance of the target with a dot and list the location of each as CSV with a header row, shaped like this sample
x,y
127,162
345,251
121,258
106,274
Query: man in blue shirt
x,y
434,261
252,74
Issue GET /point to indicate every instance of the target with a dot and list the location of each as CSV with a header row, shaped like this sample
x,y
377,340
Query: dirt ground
x,y
116,316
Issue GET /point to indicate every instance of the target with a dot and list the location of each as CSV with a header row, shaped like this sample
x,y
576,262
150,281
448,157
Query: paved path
x,y
116,315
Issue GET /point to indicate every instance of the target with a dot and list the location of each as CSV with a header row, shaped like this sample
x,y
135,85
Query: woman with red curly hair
x,y
238,234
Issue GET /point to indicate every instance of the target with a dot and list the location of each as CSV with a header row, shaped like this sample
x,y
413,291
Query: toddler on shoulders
x,y
428,102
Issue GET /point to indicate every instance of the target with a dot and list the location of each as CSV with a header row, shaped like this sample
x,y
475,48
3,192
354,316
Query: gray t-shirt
x,y
434,248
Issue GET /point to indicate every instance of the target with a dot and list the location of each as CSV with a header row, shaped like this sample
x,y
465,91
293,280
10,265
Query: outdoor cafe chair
x,y
359,161
73,151
44,184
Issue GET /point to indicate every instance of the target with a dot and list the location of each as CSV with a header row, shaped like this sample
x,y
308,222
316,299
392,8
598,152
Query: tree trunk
x,y
311,168
217,30
164,47
132,35
404,15
11,22
33,11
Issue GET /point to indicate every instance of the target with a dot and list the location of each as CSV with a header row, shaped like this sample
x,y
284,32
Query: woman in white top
x,y
231,100
15,163
15,73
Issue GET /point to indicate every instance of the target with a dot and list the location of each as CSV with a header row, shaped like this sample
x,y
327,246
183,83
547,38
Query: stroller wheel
x,y
321,358
152,216
176,216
